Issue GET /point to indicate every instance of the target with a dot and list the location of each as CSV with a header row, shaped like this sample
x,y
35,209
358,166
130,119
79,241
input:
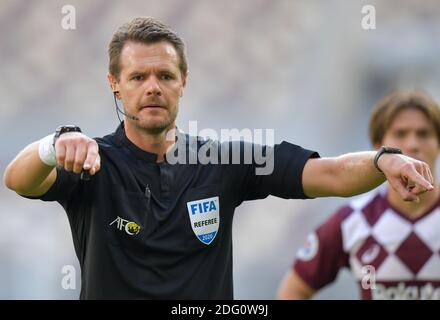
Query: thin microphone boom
x,y
125,114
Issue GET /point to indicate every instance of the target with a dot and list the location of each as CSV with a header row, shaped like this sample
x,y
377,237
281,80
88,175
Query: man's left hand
x,y
408,176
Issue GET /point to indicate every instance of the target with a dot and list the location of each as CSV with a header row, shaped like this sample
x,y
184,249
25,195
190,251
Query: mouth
x,y
152,106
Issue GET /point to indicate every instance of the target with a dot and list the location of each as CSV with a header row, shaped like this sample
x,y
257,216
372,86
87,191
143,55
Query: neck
x,y
411,209
157,143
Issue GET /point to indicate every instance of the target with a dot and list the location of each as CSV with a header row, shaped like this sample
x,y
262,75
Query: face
x,y
150,85
413,133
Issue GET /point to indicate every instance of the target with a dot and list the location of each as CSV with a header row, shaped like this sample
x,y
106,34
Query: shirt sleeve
x,y
278,171
322,256
65,185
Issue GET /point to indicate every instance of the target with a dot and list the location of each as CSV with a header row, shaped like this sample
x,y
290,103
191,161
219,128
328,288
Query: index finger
x,y
92,153
402,190
419,180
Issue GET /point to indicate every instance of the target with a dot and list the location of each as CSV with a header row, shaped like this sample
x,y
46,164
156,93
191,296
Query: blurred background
x,y
305,68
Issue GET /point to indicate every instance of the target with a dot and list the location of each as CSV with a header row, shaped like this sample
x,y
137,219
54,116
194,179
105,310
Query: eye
x,y
138,78
399,134
166,77
423,134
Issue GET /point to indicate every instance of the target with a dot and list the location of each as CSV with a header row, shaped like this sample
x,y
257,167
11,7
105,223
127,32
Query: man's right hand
x,y
75,152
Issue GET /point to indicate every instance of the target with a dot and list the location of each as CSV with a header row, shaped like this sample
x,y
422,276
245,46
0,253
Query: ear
x,y
114,85
184,79
377,146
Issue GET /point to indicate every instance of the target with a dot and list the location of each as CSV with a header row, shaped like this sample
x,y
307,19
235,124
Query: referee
x,y
146,228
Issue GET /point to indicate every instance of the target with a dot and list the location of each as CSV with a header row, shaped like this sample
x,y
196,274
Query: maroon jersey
x,y
391,255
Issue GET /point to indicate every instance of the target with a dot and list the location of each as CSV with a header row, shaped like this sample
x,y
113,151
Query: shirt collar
x,y
121,139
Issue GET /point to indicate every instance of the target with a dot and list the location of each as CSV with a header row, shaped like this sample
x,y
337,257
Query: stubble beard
x,y
156,128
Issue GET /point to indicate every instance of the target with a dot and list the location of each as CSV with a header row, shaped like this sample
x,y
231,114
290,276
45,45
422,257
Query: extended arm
x,y
28,175
355,173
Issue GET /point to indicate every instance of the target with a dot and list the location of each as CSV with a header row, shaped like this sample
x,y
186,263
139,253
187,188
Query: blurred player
x,y
391,246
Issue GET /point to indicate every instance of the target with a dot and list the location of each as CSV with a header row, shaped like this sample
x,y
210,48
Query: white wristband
x,y
46,151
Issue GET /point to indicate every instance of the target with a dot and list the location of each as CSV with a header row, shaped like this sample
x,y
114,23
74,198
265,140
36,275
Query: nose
x,y
412,146
153,87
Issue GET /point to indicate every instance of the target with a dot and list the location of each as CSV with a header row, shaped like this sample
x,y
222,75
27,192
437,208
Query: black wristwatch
x,y
64,129
383,150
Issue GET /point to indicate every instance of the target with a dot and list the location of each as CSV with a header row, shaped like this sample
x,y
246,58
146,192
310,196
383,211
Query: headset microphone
x,y
117,109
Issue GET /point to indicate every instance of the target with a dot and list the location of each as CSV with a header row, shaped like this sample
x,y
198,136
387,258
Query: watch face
x,y
70,128
67,128
392,150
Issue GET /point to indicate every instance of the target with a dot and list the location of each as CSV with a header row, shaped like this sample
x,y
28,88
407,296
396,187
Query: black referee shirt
x,y
148,230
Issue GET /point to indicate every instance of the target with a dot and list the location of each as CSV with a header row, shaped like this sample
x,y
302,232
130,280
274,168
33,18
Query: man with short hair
x,y
391,246
144,227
